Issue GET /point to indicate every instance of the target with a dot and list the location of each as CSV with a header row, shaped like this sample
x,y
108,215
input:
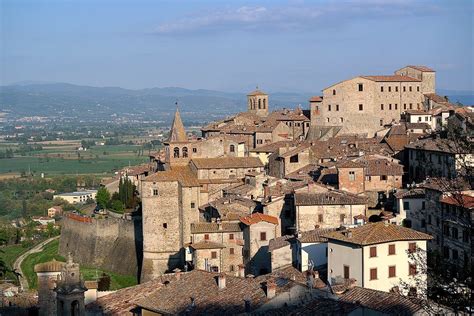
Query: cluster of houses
x,y
306,211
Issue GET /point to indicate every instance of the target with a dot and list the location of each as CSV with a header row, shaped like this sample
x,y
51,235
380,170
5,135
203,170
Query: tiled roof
x,y
302,147
279,242
435,144
385,302
436,98
379,167
124,301
288,115
182,174
257,218
197,293
417,112
391,78
207,244
198,228
328,198
416,193
463,200
177,132
256,92
423,126
273,147
315,235
227,162
349,164
421,68
376,233
316,99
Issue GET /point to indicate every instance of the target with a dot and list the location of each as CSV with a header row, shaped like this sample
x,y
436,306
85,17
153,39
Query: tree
x,y
103,197
104,283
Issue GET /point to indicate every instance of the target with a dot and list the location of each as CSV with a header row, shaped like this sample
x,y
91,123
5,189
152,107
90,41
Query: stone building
x,y
257,103
329,209
48,274
70,290
217,246
377,256
258,230
170,201
375,100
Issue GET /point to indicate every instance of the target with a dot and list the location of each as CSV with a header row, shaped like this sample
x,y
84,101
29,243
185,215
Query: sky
x,y
284,46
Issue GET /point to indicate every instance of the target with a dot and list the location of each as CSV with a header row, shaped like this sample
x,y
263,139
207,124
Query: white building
x,y
378,256
77,197
311,249
411,208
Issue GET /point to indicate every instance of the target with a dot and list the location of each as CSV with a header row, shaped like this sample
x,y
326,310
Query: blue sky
x,y
300,46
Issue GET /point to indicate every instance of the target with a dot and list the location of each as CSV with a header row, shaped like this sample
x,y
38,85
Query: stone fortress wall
x,y
111,244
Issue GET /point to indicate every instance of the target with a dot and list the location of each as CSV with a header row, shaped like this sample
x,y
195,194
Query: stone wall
x,y
110,244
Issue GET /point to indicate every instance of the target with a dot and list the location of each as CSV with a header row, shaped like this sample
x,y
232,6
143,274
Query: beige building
x,y
258,230
377,256
375,101
78,197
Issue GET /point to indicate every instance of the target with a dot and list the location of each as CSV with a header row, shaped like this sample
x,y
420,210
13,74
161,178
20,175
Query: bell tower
x,y
70,290
257,102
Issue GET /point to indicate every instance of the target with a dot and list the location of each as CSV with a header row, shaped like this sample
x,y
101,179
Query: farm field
x,y
63,158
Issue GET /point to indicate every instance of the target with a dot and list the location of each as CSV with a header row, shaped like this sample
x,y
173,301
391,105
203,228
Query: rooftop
x,y
391,78
329,198
227,162
182,174
376,233
198,228
257,218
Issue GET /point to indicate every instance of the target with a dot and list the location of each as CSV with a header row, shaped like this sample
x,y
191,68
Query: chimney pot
x,y
221,281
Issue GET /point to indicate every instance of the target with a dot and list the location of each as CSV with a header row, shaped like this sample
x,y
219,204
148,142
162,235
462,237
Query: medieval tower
x,y
257,102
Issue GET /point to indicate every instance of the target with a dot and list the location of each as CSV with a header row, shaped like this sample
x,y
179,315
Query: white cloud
x,y
292,17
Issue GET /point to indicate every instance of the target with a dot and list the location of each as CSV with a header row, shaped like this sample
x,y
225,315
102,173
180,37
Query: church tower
x,y
257,102
70,290
177,147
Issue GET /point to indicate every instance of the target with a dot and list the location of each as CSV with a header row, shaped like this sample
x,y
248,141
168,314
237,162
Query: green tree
x,y
103,197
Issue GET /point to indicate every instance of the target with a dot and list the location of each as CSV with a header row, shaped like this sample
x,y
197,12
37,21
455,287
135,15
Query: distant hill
x,y
68,100
63,100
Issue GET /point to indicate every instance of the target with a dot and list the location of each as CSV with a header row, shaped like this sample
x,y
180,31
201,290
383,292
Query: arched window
x,y
185,152
176,152
232,148
259,103
264,103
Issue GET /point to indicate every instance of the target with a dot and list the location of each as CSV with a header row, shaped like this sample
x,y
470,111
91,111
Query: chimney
x,y
221,281
177,274
266,190
271,289
241,271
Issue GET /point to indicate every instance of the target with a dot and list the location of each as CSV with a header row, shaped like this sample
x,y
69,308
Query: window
x,y
214,255
381,107
411,247
423,223
396,89
361,87
389,89
373,252
411,106
193,205
404,89
404,106
346,272
155,192
406,205
263,236
391,249
409,88
206,236
383,178
411,269
465,235
418,88
381,122
381,89
232,148
329,107
327,119
342,218
373,274
195,150
342,119
185,152
176,152
390,106
455,254
351,175
337,107
231,268
165,225
454,233
334,92
396,106
392,272
231,251
231,236
320,218
423,207
361,107
294,159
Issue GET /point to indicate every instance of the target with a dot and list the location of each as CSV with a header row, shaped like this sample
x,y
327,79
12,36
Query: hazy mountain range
x,y
85,102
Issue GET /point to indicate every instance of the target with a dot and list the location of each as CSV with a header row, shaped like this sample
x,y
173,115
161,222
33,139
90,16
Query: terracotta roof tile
x,y
375,233
198,228
421,68
316,99
391,78
227,162
315,235
329,198
279,242
207,244
257,218
463,200
182,174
